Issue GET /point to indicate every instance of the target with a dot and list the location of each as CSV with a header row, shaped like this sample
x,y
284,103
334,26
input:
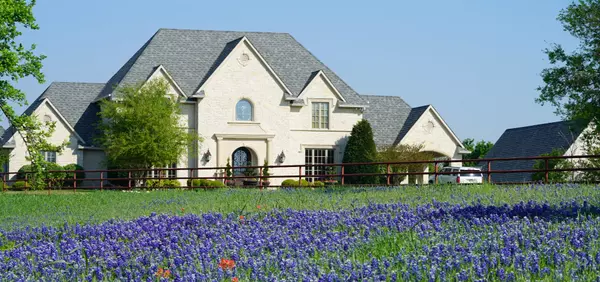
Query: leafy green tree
x,y
572,83
478,150
555,176
361,149
142,129
17,62
405,153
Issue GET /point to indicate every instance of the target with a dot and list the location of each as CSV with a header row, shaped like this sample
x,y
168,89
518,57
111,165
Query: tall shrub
x,y
69,175
361,149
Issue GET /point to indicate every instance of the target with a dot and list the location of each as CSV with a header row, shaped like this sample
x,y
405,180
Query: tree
x,y
478,150
361,149
555,176
17,62
405,153
572,83
141,127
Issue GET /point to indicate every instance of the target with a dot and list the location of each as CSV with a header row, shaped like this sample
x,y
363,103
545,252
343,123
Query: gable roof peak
x,y
191,56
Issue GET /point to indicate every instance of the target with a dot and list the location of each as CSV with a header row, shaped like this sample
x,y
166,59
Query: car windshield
x,y
470,172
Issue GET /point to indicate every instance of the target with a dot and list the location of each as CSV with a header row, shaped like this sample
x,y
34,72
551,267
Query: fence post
x,y
101,180
546,171
435,172
300,175
129,180
489,172
388,174
4,182
342,174
260,178
26,182
74,182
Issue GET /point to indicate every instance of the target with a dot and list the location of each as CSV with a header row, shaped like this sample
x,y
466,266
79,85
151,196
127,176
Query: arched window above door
x,y
244,110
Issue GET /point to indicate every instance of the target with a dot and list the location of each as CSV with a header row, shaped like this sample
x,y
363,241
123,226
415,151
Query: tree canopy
x,y
142,129
572,82
17,62
478,150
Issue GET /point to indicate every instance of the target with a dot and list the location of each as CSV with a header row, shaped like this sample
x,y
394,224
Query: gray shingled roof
x,y
74,102
190,56
390,117
530,141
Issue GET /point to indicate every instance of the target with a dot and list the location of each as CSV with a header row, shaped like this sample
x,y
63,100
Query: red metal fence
x,y
123,179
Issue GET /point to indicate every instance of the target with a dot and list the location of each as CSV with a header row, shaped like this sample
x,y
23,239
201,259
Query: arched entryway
x,y
241,157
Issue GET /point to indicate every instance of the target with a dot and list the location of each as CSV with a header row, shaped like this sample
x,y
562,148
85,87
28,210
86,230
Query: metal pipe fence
x,y
127,179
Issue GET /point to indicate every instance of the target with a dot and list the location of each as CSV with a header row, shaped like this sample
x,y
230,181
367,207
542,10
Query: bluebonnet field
x,y
462,239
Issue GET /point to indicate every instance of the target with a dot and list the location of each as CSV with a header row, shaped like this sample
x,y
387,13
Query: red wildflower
x,y
226,264
241,217
258,207
164,273
234,279
182,209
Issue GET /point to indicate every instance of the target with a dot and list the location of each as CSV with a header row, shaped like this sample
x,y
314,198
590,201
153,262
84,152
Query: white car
x,y
458,175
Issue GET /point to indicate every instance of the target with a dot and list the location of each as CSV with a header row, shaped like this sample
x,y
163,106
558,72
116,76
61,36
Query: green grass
x,y
19,209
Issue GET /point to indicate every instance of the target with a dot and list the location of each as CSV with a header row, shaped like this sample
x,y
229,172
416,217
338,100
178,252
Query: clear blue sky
x,y
477,62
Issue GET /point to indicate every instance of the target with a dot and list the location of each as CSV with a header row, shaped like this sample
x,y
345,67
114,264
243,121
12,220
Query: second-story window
x,y
320,115
243,110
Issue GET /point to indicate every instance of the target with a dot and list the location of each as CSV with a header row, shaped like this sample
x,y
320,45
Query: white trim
x,y
320,130
351,106
170,79
63,119
239,122
327,81
244,40
221,136
89,148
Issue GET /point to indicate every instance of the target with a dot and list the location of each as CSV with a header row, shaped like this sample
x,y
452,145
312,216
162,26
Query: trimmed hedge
x,y
318,184
19,186
163,183
294,183
202,183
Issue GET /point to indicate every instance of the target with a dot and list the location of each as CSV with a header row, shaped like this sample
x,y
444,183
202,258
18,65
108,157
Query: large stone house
x,y
252,96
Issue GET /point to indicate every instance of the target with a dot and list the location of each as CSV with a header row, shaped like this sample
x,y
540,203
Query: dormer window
x,y
243,110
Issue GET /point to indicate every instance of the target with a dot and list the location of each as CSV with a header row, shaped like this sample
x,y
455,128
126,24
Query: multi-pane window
x,y
159,173
317,157
243,110
49,156
320,115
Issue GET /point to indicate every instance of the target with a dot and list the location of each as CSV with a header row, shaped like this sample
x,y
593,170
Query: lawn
x,y
428,233
20,209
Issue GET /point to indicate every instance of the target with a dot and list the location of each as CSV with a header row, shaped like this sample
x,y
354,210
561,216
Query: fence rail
x,y
132,178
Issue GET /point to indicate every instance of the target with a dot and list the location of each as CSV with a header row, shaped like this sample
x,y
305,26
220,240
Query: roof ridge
x,y
538,125
423,106
217,30
375,95
77,82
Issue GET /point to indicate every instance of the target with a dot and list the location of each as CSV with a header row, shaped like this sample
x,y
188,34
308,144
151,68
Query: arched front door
x,y
241,157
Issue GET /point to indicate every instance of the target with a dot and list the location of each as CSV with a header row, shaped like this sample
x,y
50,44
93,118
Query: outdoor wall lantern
x,y
207,155
281,157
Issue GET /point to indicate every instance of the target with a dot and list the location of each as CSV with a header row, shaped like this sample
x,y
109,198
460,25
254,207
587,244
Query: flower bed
x,y
393,242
